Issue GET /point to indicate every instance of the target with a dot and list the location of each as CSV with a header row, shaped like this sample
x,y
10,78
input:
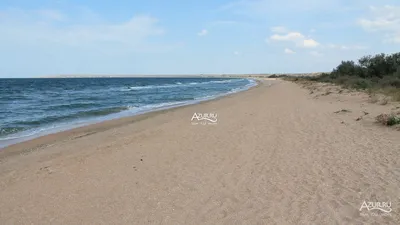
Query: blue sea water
x,y
34,107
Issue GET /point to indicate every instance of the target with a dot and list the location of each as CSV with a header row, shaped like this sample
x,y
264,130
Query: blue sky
x,y
50,37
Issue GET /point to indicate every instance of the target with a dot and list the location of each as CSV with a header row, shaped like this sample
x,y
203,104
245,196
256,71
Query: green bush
x,y
377,66
362,84
388,119
369,72
390,81
393,120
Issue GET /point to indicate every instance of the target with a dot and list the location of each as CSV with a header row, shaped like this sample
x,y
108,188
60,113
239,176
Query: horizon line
x,y
158,75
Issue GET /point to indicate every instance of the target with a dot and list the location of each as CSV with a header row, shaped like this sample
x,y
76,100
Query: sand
x,y
277,155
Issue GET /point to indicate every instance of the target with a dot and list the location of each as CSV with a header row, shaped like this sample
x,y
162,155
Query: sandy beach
x,y
277,155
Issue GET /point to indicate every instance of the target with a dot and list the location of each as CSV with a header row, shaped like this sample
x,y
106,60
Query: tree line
x,y
378,71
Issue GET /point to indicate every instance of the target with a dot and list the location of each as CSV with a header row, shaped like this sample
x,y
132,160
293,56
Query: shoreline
x,y
123,114
40,141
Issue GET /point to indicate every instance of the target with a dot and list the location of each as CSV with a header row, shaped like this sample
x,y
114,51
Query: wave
x,y
101,112
251,84
10,130
179,84
72,106
77,115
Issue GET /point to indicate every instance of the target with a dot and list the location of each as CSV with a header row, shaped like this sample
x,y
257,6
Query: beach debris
x,y
373,98
361,117
343,111
328,92
47,169
384,101
43,168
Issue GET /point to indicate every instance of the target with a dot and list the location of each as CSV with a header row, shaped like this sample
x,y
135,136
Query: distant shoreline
x,y
250,75
262,75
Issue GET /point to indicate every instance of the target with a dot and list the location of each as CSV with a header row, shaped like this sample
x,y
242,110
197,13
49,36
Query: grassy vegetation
x,y
375,74
388,120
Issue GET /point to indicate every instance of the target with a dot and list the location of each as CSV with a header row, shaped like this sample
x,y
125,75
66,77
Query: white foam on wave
x,y
179,84
251,84
166,105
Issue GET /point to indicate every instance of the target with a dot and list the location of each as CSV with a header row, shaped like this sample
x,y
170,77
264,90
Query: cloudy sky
x,y
48,37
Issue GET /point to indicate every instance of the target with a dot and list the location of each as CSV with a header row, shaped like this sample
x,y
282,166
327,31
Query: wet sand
x,y
277,155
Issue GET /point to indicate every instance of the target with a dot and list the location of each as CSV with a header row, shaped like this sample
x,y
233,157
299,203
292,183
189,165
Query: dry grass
x,y
384,101
343,111
388,119
373,98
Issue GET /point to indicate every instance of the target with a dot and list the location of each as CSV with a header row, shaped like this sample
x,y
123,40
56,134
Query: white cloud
x,y
298,38
18,15
236,53
384,20
316,53
203,32
394,39
346,47
332,46
310,43
289,51
292,36
260,8
279,29
42,26
52,15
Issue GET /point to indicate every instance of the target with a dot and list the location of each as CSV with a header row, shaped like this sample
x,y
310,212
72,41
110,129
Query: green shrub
x,y
390,81
379,72
393,120
388,120
361,84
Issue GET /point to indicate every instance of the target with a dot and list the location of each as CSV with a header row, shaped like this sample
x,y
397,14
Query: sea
x,y
30,108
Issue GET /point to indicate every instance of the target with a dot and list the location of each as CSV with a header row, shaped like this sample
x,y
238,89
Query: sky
x,y
55,37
